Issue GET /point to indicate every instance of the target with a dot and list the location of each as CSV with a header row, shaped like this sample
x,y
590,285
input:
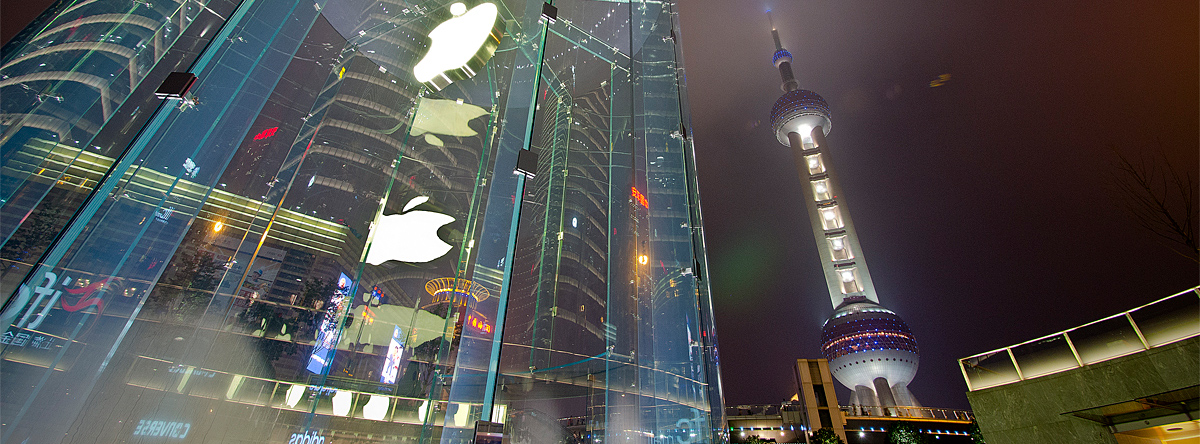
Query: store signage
x,y
306,438
410,236
461,45
164,429
33,318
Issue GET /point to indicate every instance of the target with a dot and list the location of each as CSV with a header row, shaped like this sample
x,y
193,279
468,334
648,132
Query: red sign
x,y
266,133
640,198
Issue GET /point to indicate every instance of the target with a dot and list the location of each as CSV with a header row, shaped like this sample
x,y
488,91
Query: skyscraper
x,y
870,349
321,242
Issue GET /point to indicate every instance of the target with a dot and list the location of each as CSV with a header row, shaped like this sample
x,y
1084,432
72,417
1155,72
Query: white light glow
x,y
293,395
423,410
828,214
409,237
812,163
460,415
376,408
821,188
456,40
837,244
847,277
341,403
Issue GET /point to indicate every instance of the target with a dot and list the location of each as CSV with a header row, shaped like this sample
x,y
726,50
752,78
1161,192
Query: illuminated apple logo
x,y
461,45
410,236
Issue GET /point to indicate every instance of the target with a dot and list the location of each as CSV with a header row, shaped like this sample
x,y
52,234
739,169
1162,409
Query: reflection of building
x,y
1133,377
870,349
816,406
228,268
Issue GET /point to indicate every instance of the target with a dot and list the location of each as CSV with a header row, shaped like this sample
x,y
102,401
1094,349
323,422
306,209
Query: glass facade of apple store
x,y
312,246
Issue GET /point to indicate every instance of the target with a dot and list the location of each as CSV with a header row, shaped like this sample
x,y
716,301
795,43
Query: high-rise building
x,y
360,221
869,348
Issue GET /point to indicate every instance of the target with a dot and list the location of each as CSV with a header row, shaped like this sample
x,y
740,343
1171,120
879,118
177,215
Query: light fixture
x,y
341,403
847,276
217,226
376,408
837,244
828,214
643,259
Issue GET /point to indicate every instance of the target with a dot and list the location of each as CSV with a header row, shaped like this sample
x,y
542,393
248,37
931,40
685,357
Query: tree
x,y
976,434
903,432
1159,198
755,439
32,237
826,435
193,277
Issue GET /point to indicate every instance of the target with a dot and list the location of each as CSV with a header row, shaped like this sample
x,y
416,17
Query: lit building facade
x,y
320,243
869,348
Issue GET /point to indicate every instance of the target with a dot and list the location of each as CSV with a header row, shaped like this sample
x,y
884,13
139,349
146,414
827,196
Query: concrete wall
x,y
1031,411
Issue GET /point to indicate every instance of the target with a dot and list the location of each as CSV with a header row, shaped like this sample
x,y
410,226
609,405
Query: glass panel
x,y
989,370
1044,356
1169,320
321,248
1105,339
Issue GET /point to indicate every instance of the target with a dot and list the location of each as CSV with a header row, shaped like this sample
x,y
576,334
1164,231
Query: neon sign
x,y
637,195
479,322
266,133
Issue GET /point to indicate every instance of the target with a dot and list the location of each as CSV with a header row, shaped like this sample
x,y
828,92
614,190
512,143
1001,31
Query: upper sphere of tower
x,y
781,56
799,111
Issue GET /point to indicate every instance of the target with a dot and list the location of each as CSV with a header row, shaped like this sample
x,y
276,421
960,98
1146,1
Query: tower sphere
x,y
796,110
864,341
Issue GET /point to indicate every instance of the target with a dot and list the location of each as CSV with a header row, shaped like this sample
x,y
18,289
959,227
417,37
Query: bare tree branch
x,y
1159,198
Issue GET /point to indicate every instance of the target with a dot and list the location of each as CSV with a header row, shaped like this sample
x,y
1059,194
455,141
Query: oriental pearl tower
x,y
869,348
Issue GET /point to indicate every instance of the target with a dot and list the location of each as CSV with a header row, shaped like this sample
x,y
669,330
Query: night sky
x,y
984,205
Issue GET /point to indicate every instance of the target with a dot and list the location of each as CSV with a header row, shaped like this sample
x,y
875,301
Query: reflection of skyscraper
x,y
214,256
869,348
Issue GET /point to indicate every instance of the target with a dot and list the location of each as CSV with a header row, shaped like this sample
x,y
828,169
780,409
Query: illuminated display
x,y
327,333
410,236
479,322
391,365
637,195
461,45
266,133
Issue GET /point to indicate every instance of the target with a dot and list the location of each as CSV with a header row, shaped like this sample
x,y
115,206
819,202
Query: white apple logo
x,y
410,236
461,45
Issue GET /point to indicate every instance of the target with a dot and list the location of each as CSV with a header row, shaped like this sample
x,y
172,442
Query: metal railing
x,y
1165,321
906,412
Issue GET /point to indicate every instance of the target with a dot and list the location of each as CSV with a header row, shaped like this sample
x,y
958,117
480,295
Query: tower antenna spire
x,y
782,60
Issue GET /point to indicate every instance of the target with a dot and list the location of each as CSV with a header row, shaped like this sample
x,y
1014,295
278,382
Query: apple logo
x,y
410,236
461,45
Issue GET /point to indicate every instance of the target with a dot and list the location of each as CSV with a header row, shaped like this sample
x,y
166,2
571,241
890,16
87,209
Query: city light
x,y
217,226
643,259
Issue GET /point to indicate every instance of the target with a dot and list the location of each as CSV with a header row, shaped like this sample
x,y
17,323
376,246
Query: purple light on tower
x,y
869,348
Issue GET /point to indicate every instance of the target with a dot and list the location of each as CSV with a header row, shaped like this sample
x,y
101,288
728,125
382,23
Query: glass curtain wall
x,y
313,246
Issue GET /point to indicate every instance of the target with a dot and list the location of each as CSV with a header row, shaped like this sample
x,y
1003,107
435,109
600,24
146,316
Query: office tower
x,y
870,349
362,221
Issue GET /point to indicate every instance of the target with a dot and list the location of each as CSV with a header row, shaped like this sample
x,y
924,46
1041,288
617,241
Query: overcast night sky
x,y
983,205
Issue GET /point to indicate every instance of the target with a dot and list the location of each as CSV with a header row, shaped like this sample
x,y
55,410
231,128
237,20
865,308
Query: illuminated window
x,y
849,280
815,164
821,190
839,248
831,218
